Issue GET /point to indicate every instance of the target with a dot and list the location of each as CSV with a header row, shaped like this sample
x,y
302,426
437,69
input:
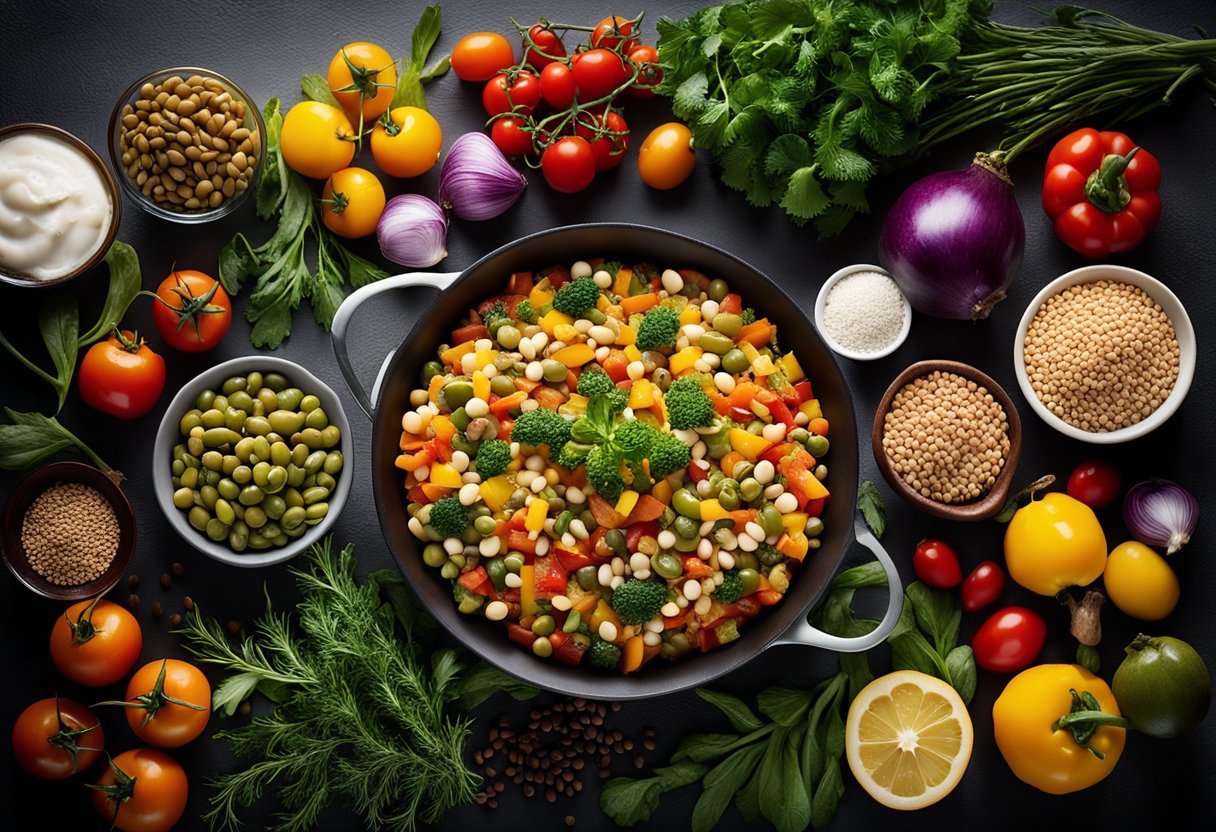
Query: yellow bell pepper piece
x,y
453,355
575,355
620,285
540,295
791,368
795,521
565,333
815,490
534,521
481,386
603,304
763,366
631,654
485,358
632,352
552,320
748,444
682,361
712,510
496,491
436,385
750,352
811,408
603,612
627,336
690,315
794,545
641,396
662,491
626,502
527,591
445,475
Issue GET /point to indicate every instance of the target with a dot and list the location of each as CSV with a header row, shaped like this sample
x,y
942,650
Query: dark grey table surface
x,y
66,64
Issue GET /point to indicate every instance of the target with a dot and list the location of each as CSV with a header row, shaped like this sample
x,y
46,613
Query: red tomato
x,y
557,86
1095,483
143,790
608,34
517,92
121,376
1010,640
609,146
511,138
936,564
649,73
174,703
55,738
95,642
477,57
983,586
542,46
568,164
192,311
598,72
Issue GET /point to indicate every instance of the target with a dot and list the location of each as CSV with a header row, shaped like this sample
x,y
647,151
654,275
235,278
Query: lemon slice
x,y
908,739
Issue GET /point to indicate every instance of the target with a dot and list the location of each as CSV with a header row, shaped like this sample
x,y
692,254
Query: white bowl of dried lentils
x,y
1105,354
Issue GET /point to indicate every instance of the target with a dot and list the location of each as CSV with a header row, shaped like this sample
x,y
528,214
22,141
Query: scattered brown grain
x,y
188,603
157,609
165,580
133,602
946,437
1101,356
178,568
175,619
133,581
70,534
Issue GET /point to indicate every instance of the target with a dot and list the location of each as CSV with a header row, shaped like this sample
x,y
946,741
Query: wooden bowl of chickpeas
x,y
947,439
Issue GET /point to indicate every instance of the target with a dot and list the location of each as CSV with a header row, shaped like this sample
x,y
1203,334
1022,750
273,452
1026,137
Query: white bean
x,y
513,580
672,281
542,546
476,407
638,562
460,461
786,503
636,370
725,559
703,604
602,279
453,546
489,546
561,603
602,335
411,422
667,539
652,639
709,310
616,581
483,344
575,496
535,462
580,268
705,548
670,609
618,566
534,371
773,433
527,349
755,531
764,472
724,382
497,610
604,574
468,363
773,491
692,590
469,494
607,631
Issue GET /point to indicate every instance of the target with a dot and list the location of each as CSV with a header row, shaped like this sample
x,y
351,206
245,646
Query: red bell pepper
x,y
521,635
571,559
567,650
476,581
636,531
1100,191
696,568
698,470
732,304
520,542
550,576
803,390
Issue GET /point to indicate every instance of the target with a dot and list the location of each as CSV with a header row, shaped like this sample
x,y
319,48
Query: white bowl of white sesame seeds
x,y
861,313
1105,354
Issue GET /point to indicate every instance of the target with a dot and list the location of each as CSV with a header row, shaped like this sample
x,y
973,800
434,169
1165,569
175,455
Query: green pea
x,y
573,621
686,528
821,472
485,525
259,473
666,565
295,516
814,527
432,554
333,463
315,513
514,561
255,517
686,503
189,478
199,518
718,290
544,625
817,446
457,393
224,512
449,570
508,336
183,498
770,520
716,342
553,371
542,647
813,543
429,370
330,436
274,506
251,495
461,418
750,579
750,489
496,570
728,498
595,316
205,400
735,361
587,578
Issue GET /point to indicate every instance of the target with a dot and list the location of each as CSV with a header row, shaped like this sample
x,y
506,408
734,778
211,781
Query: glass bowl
x,y
164,174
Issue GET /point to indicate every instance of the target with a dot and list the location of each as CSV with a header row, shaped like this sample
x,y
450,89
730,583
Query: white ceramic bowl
x,y
821,303
1169,302
169,435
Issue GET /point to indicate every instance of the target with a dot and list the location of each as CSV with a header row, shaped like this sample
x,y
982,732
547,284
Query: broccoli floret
x,y
688,405
541,427
727,631
777,381
668,455
603,654
498,310
493,457
636,602
748,315
525,312
604,472
767,555
572,454
731,588
448,517
595,381
658,329
634,437
576,297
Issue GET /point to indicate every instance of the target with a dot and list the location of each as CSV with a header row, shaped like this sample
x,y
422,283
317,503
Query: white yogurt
x,y
54,207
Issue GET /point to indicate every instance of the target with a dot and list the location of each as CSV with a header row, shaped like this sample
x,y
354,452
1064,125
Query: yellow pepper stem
x,y
1084,718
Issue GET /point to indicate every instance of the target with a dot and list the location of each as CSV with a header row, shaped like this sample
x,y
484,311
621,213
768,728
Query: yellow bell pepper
x,y
641,395
711,509
550,322
795,521
690,315
662,491
627,336
495,491
620,285
750,352
575,355
445,476
791,368
565,333
811,408
632,352
534,521
452,355
527,591
481,386
485,358
763,366
748,444
540,294
631,654
626,502
604,612
684,360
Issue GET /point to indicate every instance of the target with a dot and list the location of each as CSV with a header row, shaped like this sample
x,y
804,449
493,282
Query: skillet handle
x,y
439,280
803,633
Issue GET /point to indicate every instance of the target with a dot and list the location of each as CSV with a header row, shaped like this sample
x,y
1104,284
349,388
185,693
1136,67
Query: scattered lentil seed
x,y
70,534
175,620
245,708
133,580
165,580
133,601
157,610
178,568
188,603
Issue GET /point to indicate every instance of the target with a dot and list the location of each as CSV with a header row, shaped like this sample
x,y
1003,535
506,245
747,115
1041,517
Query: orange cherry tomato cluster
x,y
563,107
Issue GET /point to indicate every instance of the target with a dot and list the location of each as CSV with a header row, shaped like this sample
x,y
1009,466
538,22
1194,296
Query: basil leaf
x,y
59,323
827,794
911,652
703,748
32,439
125,280
437,70
720,785
960,663
784,706
936,614
317,88
747,799
771,775
628,801
872,509
736,710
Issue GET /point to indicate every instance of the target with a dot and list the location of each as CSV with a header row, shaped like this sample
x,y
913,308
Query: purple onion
x,y
476,182
1160,513
954,240
413,231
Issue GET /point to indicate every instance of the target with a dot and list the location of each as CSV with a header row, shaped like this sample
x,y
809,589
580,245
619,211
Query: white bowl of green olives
x,y
252,458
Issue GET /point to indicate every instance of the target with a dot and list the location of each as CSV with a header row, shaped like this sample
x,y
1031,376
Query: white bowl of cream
x,y
59,206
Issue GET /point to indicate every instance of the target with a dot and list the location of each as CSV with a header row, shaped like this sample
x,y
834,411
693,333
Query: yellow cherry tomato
x,y
317,139
352,202
1140,582
409,144
1054,543
666,157
363,77
1057,761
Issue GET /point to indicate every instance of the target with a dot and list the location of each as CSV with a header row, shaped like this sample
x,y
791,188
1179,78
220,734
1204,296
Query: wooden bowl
x,y
981,508
28,490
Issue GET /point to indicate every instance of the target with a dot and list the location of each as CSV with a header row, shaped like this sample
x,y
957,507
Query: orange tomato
x,y
363,77
95,642
666,158
170,703
352,202
317,139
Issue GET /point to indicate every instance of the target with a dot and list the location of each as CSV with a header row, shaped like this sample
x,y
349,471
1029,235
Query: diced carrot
x,y
620,286
469,333
729,462
411,462
526,384
757,333
519,541
417,495
615,366
647,508
662,491
638,303
410,442
434,492
675,622
508,403
631,654
604,512
818,426
696,568
548,398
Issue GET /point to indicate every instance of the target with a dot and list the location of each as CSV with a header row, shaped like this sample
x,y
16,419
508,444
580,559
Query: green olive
x,y
718,290
728,324
716,342
183,498
199,518
508,336
290,398
542,647
750,579
686,503
316,418
457,393
735,362
553,371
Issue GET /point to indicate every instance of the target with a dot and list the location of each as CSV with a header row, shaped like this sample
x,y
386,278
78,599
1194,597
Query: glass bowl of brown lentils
x,y
1105,354
186,144
68,531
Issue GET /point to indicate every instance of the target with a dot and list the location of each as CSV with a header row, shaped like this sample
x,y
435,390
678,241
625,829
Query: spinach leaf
x,y
827,794
409,92
784,706
59,323
936,614
869,501
960,663
125,281
771,775
720,785
628,801
483,680
33,438
316,88
747,799
910,651
739,714
704,748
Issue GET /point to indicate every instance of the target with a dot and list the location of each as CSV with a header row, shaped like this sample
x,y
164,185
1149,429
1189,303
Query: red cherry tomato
x,y
608,34
1095,483
506,93
568,164
1010,640
557,86
983,586
649,73
121,376
546,47
192,311
609,149
511,138
597,72
936,564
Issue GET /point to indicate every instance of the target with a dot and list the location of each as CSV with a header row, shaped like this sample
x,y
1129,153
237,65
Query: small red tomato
x,y
511,92
608,33
1095,483
936,564
557,86
509,136
598,72
646,58
568,164
608,139
983,586
121,376
1010,640
192,311
542,46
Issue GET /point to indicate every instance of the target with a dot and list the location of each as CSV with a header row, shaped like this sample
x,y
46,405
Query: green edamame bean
x,y
243,450
228,489
199,518
686,503
542,647
183,498
508,336
587,578
429,370
514,561
544,625
316,418
821,472
189,478
686,528
814,527
232,385
257,426
433,554
259,541
330,436
290,398
275,381
502,385
728,498
216,530
242,474
314,495
573,620
750,488
238,542
295,516
716,342
310,437
562,522
324,480
286,421
211,478
241,401
449,570
457,393
553,371
224,512
254,518
260,471
299,453
461,418
735,361
666,565
280,454
205,400
718,290
177,467
816,445
315,513
219,437
253,381
750,579
251,495
195,446
212,418
274,506
309,403
728,324
799,435
234,419
313,463
485,525
191,420
261,447
212,460
770,520
295,476
333,463
292,497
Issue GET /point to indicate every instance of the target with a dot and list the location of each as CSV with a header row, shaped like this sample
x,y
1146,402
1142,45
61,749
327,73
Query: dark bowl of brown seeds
x,y
68,531
186,144
947,439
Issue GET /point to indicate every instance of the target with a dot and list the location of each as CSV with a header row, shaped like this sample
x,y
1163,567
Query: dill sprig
x,y
367,713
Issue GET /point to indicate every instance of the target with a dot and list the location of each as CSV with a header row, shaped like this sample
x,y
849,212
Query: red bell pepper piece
x,y
696,568
571,559
550,576
520,542
732,304
698,470
521,635
475,580
636,531
803,390
567,650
